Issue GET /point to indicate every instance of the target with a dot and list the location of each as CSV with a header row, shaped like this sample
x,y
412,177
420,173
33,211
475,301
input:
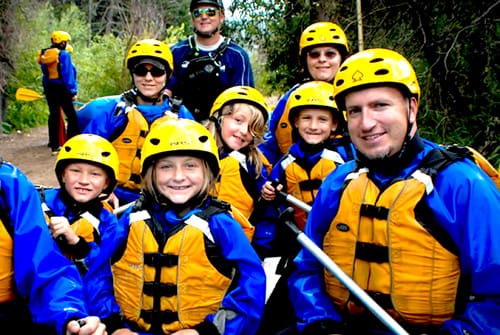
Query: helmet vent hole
x,y
381,72
339,82
203,138
67,149
376,60
155,141
297,96
106,154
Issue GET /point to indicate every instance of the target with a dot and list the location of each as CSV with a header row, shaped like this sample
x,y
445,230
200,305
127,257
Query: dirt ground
x,y
29,152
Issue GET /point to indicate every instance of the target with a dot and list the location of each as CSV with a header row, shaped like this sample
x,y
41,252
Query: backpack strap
x,y
195,51
437,159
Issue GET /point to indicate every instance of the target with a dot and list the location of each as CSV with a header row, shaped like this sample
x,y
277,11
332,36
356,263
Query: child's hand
x,y
269,192
113,201
90,325
60,228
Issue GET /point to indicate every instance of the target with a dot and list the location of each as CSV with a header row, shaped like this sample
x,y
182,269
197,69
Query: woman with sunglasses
x,y
126,119
323,47
207,63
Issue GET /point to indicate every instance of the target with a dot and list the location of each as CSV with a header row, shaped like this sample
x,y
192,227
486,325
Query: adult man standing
x,y
207,63
60,86
412,224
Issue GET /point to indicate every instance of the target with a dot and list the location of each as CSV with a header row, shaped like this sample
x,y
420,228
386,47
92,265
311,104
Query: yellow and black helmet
x,y
93,149
244,94
151,49
375,67
315,94
323,33
180,137
59,36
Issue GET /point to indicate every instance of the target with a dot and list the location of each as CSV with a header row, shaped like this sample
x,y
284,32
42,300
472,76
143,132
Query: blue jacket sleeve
x,y
68,72
247,298
43,275
98,281
467,204
97,117
241,69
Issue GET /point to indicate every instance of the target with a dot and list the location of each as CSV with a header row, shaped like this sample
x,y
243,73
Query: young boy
x,y
81,222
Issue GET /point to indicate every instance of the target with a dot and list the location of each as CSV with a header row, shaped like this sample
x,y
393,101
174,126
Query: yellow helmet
x,y
89,148
321,33
59,36
312,94
244,94
375,67
180,137
149,48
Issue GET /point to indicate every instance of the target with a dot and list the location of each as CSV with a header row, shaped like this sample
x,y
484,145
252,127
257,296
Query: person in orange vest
x,y
323,47
187,266
414,225
60,86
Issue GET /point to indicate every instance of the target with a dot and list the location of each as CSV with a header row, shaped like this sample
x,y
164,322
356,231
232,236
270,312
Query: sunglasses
x,y
142,71
315,54
208,11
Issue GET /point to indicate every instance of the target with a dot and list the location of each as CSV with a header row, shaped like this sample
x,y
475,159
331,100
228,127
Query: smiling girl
x,y
238,122
187,266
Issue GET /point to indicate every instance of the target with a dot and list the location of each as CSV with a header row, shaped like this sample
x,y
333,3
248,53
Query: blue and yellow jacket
x,y
239,185
102,235
302,170
58,68
110,117
34,271
184,272
460,204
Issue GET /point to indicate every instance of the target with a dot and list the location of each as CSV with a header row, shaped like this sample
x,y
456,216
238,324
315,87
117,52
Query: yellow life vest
x,y
170,281
377,240
86,226
50,58
230,186
6,264
283,133
304,185
128,145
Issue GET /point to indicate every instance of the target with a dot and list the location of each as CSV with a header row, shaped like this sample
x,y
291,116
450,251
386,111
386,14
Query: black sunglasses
x,y
315,54
141,70
209,11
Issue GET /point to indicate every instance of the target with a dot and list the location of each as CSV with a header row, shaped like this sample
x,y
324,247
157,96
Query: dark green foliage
x,y
453,46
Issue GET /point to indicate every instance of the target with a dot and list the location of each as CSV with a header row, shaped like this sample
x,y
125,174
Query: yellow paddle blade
x,y
26,94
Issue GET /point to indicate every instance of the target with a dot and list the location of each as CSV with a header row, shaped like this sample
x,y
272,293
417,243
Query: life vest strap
x,y
376,212
160,289
160,260
159,317
372,253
